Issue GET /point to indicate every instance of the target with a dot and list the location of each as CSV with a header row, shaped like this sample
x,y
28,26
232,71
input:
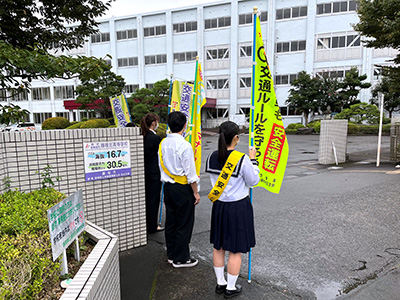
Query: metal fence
x,y
395,142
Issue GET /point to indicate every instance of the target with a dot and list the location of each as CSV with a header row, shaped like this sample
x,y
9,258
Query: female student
x,y
232,220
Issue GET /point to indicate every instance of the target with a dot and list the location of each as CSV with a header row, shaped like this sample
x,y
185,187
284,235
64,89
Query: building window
x,y
185,27
342,41
246,19
100,37
218,53
245,51
156,30
131,88
245,82
62,114
292,46
149,86
41,93
217,22
39,118
64,92
127,62
291,13
336,72
127,34
217,84
285,79
22,96
185,56
155,59
336,7
108,62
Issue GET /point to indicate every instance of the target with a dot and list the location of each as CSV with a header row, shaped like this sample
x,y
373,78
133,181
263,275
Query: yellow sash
x,y
177,178
225,175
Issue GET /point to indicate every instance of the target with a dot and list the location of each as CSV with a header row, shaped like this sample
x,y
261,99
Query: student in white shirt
x,y
232,219
178,172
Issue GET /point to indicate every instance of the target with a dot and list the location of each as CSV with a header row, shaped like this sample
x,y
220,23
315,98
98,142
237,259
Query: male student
x,y
178,172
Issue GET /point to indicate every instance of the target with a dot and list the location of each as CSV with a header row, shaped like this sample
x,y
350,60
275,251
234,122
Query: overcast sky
x,y
130,7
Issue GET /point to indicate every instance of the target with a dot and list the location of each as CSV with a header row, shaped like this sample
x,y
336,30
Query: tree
x,y
389,88
29,29
94,94
154,100
380,21
12,114
351,86
359,113
328,95
304,95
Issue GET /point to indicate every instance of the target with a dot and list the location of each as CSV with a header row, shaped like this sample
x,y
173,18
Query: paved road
x,y
328,234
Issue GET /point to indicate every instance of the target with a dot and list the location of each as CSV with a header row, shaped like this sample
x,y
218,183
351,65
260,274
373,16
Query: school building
x,y
311,35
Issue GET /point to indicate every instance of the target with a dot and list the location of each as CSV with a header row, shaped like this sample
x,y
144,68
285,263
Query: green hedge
x,y
75,126
352,128
369,129
316,125
295,126
96,123
290,131
55,123
26,264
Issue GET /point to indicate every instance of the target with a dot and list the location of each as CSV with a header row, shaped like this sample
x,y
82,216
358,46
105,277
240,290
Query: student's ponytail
x,y
146,121
227,131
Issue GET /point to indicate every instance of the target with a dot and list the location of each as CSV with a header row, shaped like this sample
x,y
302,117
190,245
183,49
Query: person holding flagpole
x,y
232,219
151,142
178,172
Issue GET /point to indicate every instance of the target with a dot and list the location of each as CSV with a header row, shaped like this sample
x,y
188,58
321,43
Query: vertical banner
x,y
199,99
185,106
267,130
177,87
120,110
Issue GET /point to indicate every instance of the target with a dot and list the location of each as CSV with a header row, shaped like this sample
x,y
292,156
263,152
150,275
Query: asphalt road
x,y
328,231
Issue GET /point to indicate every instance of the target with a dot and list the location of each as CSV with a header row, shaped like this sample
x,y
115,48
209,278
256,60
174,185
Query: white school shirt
x,y
247,175
178,158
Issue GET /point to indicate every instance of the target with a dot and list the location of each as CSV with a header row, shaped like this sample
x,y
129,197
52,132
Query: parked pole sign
x,y
66,222
104,160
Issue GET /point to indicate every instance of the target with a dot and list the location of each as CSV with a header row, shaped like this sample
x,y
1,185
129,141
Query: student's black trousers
x,y
179,201
153,190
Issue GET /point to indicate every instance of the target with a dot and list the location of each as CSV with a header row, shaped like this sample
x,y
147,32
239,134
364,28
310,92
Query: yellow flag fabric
x,y
267,130
199,99
120,110
176,95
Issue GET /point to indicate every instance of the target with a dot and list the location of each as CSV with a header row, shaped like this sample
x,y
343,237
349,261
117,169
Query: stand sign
x,y
66,222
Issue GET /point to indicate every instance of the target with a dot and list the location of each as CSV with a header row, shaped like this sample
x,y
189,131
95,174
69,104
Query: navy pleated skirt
x,y
232,226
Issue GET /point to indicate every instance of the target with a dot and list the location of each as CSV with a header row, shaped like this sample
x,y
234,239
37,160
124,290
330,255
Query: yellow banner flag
x,y
120,109
267,131
199,99
176,95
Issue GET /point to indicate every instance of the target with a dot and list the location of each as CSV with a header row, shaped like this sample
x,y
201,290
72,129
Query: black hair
x,y
176,121
146,121
130,124
227,131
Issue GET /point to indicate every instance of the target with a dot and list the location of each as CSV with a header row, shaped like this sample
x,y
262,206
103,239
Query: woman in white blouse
x,y
232,220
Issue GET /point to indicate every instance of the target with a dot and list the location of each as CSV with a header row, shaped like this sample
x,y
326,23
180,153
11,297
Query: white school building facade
x,y
311,35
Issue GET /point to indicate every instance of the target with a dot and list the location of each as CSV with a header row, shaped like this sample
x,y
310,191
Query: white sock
x,y
232,282
219,272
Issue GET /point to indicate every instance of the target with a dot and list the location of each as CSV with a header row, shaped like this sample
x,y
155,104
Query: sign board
x,y
104,160
66,222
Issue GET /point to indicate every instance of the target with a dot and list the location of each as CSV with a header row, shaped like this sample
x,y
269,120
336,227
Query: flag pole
x,y
255,9
193,99
169,109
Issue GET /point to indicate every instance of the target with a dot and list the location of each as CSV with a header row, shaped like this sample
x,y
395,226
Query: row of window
x,y
292,12
336,7
185,56
126,34
248,18
342,41
155,59
130,88
185,27
285,79
127,62
290,46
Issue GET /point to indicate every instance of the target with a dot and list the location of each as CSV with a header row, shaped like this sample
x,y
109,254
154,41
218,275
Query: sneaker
x,y
190,263
170,261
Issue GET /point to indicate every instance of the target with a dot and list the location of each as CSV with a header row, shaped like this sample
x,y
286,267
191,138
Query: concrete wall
x,y
117,204
98,278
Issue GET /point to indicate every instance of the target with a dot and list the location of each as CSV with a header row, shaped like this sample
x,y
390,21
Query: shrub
x,y
75,126
111,120
369,129
96,123
316,125
112,126
386,120
290,131
352,128
386,128
55,123
162,130
295,126
26,264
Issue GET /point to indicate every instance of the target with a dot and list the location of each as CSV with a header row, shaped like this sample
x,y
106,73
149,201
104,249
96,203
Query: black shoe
x,y
219,289
233,293
190,263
